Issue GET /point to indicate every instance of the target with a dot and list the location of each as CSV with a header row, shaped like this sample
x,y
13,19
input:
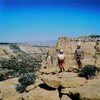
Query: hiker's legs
x,y
79,64
60,67
63,67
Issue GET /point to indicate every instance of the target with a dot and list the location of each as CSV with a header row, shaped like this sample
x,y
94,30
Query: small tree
x,y
5,73
25,80
88,71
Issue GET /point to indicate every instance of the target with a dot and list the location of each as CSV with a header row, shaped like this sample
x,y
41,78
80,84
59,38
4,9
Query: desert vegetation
x,y
94,36
88,71
25,80
18,64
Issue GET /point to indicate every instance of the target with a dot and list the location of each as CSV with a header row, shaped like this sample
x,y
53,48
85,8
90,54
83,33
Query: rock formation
x,y
68,45
52,85
58,86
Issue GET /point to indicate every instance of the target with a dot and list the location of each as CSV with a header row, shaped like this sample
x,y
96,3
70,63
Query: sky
x,y
42,20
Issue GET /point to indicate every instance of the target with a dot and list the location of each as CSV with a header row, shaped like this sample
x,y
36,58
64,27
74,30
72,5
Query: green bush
x,y
88,71
25,80
5,73
20,88
21,63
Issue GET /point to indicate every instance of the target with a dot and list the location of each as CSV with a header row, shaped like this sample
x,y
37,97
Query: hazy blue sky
x,y
36,20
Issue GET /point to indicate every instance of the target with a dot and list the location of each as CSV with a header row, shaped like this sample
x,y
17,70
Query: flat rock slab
x,y
67,74
8,88
89,91
41,94
66,80
72,82
49,70
51,80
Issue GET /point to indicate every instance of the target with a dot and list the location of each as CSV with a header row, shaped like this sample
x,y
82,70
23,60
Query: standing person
x,y
79,55
48,60
61,60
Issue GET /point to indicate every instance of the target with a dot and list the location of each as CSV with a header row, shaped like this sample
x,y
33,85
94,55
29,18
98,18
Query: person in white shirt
x,y
61,60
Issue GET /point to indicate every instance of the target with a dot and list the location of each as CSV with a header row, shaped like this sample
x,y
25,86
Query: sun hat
x,y
78,44
61,50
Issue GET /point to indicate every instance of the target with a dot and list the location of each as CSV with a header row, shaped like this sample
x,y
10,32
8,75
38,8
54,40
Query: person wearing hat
x,y
61,60
79,55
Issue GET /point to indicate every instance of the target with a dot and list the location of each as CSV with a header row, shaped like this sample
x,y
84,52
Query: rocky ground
x,y
51,85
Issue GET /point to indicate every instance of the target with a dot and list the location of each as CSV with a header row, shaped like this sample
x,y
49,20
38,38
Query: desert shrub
x,y
9,63
20,88
88,71
21,63
25,80
5,73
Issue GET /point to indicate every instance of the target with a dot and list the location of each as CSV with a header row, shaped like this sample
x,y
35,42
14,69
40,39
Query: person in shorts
x,y
79,55
61,60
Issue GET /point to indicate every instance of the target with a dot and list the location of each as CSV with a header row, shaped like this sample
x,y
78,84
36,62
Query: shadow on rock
x,y
46,87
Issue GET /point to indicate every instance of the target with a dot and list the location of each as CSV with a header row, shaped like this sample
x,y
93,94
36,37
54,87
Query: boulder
x,y
16,97
65,79
72,82
1,95
89,91
65,91
41,94
51,80
65,97
31,87
35,85
7,88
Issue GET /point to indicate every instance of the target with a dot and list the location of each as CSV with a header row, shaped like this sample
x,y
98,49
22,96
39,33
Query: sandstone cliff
x,y
36,51
69,45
